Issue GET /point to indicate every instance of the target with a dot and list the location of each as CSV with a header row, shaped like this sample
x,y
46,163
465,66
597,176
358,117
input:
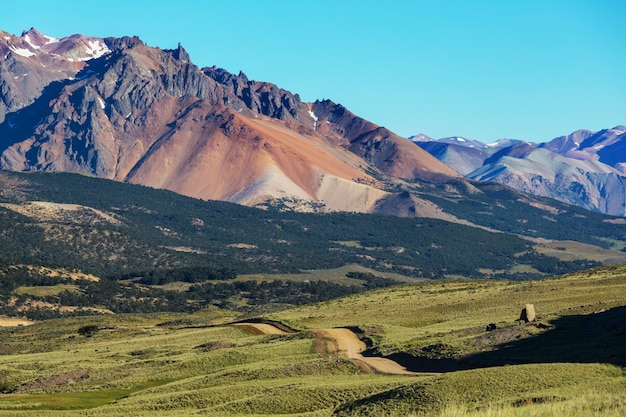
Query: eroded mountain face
x,y
121,110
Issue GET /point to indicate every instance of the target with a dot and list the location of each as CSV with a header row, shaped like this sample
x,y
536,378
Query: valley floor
x,y
569,362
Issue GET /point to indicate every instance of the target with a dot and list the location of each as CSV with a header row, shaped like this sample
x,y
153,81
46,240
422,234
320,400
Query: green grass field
x,y
45,290
569,363
336,275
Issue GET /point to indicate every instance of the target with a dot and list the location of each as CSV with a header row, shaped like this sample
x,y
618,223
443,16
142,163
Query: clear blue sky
x,y
531,69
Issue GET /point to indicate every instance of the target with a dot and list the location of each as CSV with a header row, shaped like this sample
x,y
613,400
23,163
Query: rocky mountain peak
x,y
392,154
584,168
181,54
35,38
31,31
571,142
119,109
420,137
125,42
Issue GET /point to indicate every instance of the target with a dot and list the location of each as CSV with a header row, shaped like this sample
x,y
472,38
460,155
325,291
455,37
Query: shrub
x,y
88,330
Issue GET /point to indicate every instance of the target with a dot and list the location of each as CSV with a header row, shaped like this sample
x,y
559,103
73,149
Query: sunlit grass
x,y
70,400
590,404
178,365
569,250
509,388
435,310
46,290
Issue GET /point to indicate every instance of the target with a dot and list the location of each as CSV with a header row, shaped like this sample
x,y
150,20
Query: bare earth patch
x,y
259,328
346,342
61,273
616,221
14,321
185,249
340,341
242,246
48,211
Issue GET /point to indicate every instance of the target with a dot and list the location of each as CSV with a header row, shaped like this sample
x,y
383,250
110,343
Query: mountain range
x,y
103,130
118,109
584,168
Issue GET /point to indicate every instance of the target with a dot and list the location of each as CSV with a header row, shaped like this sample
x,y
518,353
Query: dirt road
x,y
260,328
347,342
341,341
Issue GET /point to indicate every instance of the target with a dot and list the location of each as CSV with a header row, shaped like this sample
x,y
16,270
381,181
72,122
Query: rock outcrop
x,y
528,314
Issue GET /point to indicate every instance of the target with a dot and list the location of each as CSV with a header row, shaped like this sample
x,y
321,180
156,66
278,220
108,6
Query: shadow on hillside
x,y
21,124
592,338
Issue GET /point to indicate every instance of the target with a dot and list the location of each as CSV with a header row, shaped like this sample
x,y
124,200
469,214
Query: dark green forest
x,y
506,209
229,237
159,237
120,297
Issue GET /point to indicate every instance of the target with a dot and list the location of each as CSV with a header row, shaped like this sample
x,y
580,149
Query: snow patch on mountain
x,y
314,117
28,41
22,51
98,48
420,137
50,39
92,49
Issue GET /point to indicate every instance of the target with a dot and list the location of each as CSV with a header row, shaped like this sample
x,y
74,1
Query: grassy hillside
x,y
569,362
153,250
147,282
455,314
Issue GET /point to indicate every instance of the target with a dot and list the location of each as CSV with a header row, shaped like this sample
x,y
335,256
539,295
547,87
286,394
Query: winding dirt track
x,y
346,342
349,344
262,328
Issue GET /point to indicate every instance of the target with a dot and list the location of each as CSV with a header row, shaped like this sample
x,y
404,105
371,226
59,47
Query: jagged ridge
x,y
126,111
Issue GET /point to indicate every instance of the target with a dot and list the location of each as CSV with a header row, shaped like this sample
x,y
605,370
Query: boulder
x,y
528,313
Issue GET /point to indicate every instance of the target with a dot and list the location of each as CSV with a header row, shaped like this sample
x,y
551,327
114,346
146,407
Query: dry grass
x,y
568,250
46,290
